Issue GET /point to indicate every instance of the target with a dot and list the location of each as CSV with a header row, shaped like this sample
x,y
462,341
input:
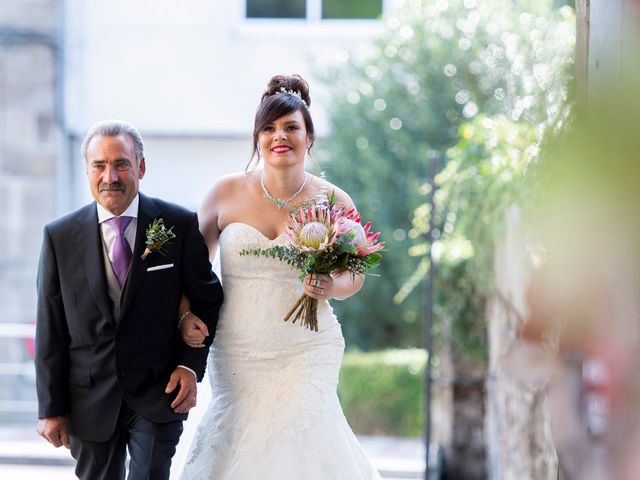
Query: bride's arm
x,y
208,217
339,285
345,284
336,286
192,328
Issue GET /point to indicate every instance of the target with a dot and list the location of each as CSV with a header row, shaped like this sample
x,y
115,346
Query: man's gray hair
x,y
114,128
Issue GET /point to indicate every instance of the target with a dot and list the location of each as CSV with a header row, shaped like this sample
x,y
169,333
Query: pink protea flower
x,y
363,239
312,229
351,226
313,235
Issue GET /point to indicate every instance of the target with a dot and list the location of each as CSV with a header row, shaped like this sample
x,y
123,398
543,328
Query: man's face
x,y
113,172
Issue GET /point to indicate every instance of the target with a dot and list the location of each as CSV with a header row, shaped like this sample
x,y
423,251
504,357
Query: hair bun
x,y
291,83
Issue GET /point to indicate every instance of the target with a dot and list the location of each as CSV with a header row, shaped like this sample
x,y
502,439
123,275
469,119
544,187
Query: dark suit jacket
x,y
86,360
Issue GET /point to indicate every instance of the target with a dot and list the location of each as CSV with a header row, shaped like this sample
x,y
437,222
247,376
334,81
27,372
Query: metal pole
x,y
428,326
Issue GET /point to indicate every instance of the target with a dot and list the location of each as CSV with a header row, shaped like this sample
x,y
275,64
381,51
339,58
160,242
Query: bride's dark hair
x,y
284,95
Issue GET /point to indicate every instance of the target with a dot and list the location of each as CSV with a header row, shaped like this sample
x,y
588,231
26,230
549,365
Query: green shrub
x,y
382,392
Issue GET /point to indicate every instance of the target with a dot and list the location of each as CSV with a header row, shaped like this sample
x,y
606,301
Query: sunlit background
x,y
433,114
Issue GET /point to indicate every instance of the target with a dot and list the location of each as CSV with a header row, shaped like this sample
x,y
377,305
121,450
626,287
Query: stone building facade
x,y
31,144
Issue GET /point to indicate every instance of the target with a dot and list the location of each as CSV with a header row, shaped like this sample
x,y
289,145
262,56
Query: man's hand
x,y
54,431
193,331
186,398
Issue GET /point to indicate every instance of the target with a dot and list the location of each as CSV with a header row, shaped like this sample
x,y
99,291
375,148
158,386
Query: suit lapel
x,y
147,211
89,244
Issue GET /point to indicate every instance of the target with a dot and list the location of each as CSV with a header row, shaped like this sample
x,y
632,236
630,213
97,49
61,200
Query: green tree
x,y
439,65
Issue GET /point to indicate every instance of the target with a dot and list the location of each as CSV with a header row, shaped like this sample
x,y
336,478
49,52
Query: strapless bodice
x,y
259,291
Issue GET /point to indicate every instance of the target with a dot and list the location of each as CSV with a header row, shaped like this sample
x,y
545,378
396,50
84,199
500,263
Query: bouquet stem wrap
x,y
305,310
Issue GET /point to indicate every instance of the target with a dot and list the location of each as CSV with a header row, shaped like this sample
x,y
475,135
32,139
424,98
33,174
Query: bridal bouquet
x,y
324,238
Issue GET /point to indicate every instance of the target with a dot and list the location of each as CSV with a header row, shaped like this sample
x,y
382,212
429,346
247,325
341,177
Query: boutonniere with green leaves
x,y
157,237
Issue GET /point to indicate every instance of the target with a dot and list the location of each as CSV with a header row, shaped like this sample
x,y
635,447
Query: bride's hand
x,y
193,330
318,286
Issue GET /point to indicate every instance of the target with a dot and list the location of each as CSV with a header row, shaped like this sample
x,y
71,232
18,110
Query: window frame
x,y
313,15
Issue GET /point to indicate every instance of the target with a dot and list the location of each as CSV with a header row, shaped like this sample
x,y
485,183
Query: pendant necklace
x,y
280,202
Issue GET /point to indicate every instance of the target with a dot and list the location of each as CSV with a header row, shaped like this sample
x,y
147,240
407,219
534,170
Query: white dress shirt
x,y
109,234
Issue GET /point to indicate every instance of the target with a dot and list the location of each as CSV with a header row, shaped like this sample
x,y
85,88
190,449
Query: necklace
x,y
280,202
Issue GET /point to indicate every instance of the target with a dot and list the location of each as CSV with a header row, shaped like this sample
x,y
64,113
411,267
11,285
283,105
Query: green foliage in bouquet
x,y
339,256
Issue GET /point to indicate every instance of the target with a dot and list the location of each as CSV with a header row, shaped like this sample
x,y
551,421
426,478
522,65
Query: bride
x,y
274,413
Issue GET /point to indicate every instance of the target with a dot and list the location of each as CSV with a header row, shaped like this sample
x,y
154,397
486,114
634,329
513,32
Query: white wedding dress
x,y
274,413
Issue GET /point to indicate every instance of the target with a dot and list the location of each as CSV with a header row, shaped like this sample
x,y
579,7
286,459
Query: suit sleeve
x,y
52,337
204,291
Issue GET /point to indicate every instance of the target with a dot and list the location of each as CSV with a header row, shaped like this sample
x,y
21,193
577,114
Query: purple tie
x,y
121,248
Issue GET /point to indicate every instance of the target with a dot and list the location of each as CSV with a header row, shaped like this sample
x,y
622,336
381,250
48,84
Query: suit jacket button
x,y
122,374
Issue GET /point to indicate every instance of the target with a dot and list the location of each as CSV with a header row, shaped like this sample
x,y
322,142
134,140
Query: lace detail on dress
x,y
274,413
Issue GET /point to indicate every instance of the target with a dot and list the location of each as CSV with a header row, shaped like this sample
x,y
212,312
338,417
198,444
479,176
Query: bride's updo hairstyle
x,y
284,95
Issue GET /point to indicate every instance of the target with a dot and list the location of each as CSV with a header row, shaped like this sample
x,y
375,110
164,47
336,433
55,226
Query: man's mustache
x,y
111,187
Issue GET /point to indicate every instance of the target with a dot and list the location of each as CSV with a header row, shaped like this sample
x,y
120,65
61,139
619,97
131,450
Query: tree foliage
x,y
463,85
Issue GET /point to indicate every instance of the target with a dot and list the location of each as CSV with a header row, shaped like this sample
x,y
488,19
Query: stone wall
x,y
519,433
30,148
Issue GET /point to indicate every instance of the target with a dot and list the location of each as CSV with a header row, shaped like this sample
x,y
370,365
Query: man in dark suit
x,y
112,370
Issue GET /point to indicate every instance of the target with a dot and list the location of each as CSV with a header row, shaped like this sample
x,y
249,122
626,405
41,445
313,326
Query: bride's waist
x,y
274,277
232,360
264,298
261,322
272,337
264,290
241,354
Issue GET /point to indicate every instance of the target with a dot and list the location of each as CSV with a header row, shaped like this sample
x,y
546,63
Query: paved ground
x,y
25,456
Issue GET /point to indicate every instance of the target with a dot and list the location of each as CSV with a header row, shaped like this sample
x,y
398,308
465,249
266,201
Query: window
x,y
351,9
313,10
276,8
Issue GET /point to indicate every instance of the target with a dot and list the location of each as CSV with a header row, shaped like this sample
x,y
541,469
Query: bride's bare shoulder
x,y
225,186
330,189
222,199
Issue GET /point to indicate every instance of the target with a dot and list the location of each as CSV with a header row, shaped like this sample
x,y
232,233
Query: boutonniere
x,y
157,236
